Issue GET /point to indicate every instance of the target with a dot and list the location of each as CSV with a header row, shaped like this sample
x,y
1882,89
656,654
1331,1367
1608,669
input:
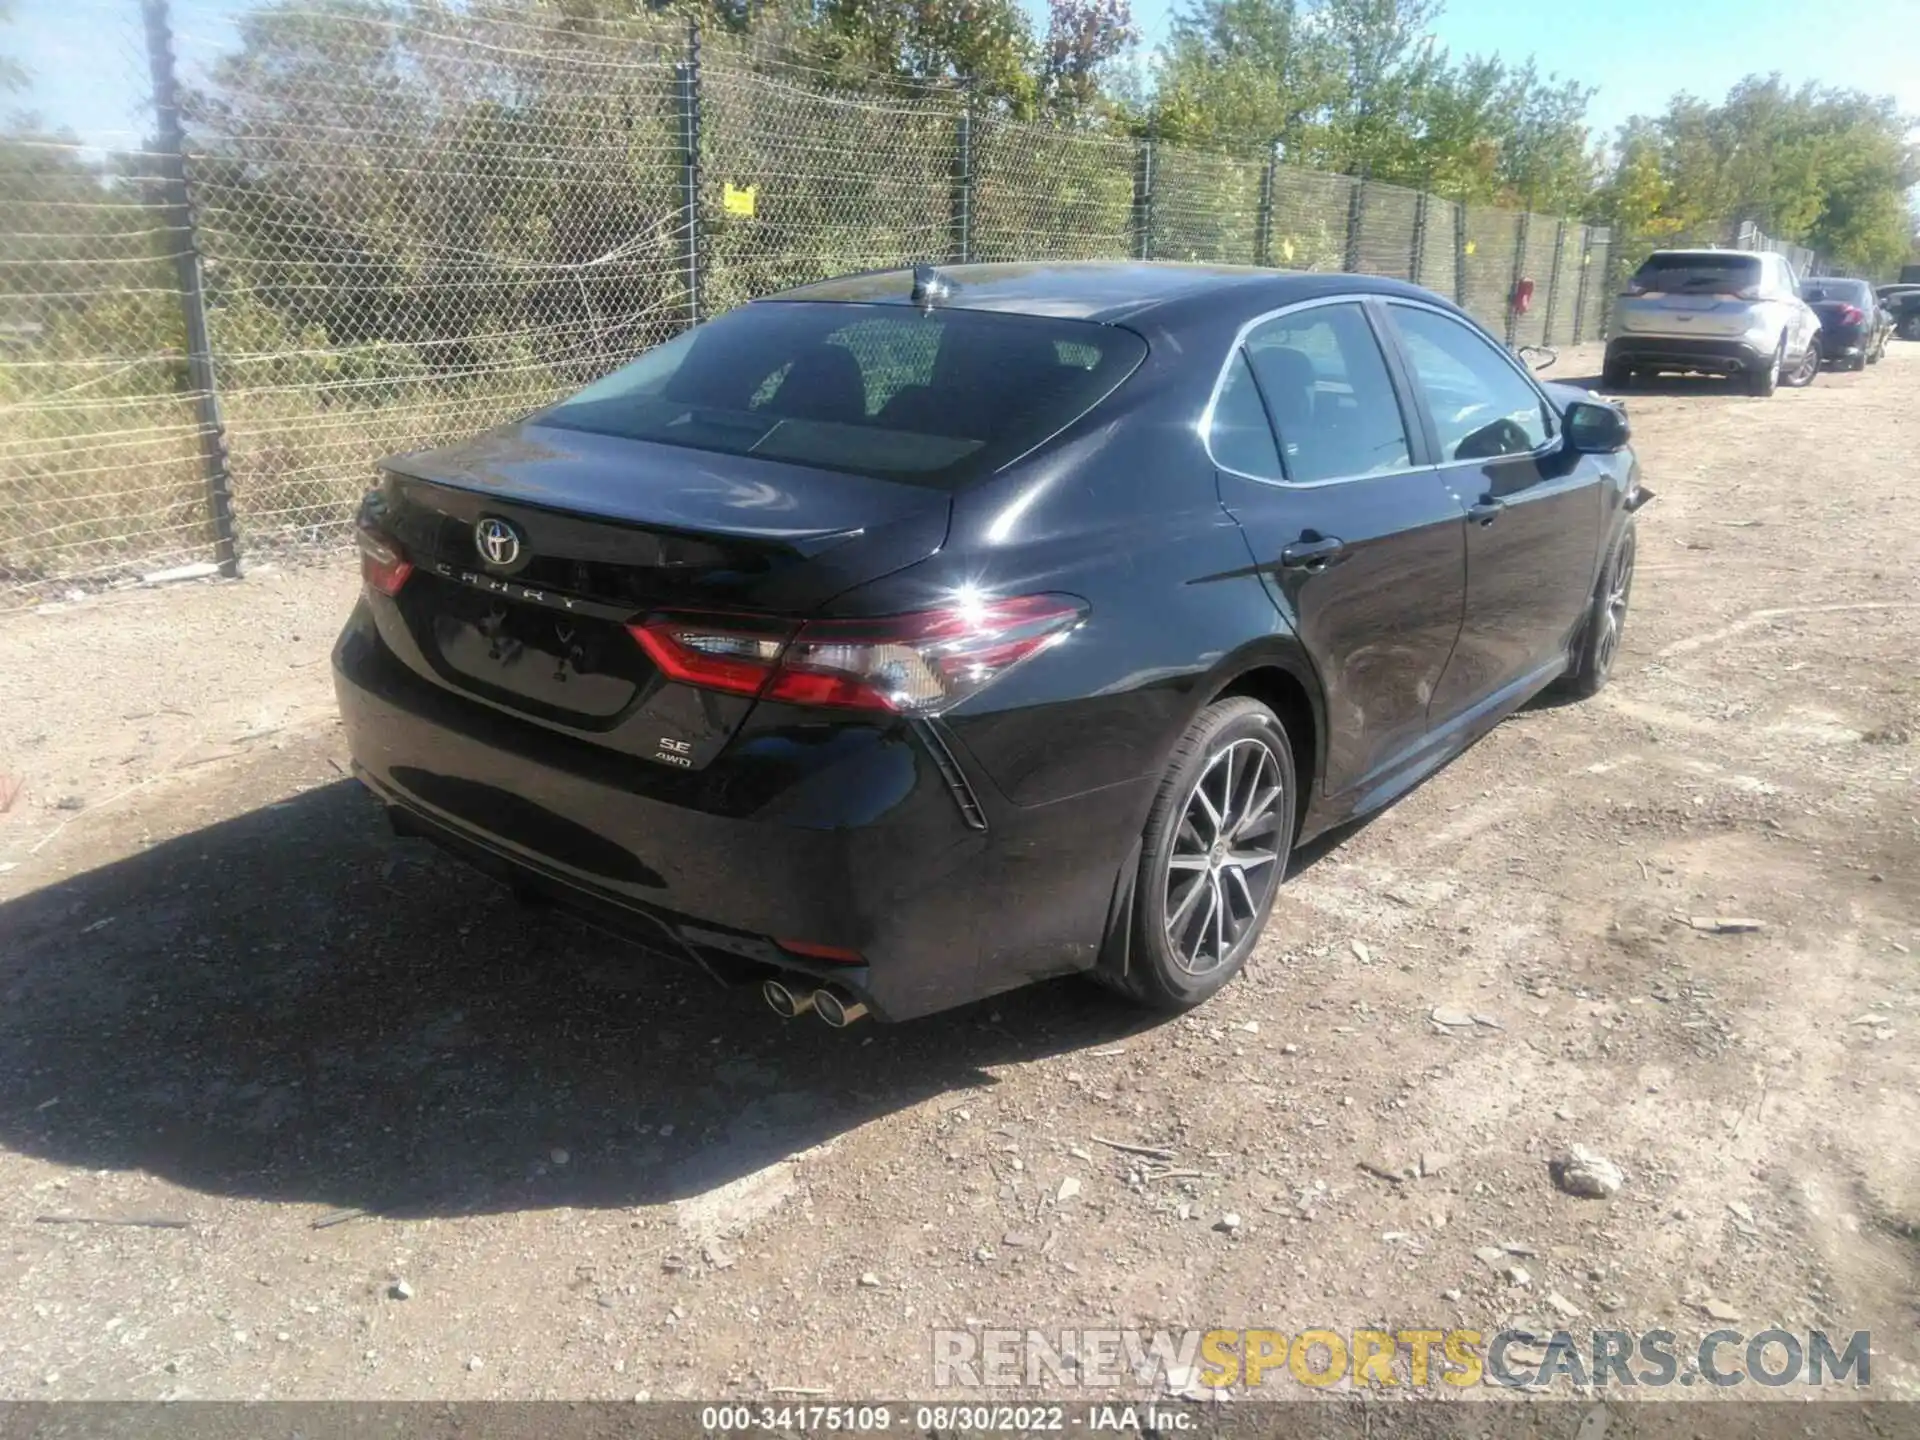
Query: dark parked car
x,y
1853,325
1902,304
912,636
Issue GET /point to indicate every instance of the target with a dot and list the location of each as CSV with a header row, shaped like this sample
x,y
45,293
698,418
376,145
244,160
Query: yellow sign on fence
x,y
737,200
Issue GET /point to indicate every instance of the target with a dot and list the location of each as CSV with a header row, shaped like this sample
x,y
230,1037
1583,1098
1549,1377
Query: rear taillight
x,y
721,653
918,664
382,565
1851,315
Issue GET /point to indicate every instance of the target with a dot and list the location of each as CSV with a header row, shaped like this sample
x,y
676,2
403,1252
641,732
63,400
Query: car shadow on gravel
x,y
1658,385
292,1005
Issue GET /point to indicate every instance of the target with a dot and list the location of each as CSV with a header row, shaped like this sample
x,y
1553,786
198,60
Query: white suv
x,y
1724,312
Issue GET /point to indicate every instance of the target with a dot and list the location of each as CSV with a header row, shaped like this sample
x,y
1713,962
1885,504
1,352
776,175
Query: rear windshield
x,y
1698,274
1851,292
888,390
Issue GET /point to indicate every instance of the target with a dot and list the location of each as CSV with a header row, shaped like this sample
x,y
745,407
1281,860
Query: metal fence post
x,y
1580,290
1263,225
1553,281
1143,199
171,142
1519,272
1614,275
1417,256
1460,254
687,76
963,180
1356,217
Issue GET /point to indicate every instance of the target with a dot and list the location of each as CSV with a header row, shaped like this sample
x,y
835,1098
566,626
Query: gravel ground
x,y
233,1010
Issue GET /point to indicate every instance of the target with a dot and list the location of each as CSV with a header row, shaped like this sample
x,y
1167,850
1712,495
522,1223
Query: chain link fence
x,y
100,441
327,234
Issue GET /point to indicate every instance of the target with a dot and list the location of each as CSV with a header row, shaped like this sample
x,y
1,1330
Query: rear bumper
x,y
847,836
1843,342
1712,355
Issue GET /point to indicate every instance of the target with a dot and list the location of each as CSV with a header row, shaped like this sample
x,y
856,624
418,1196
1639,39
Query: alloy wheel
x,y
1226,855
1808,367
1613,617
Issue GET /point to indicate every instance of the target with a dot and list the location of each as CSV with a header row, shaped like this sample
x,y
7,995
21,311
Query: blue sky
x,y
88,66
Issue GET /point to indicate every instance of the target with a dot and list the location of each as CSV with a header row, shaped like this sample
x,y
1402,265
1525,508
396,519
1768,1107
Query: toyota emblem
x,y
497,541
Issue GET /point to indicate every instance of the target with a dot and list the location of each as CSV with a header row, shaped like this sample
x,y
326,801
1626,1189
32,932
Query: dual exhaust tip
x,y
837,1009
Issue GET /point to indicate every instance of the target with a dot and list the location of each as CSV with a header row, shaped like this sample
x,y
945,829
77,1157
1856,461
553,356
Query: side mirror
x,y
1596,429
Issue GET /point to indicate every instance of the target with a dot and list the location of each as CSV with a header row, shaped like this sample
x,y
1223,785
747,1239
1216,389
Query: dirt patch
x,y
229,999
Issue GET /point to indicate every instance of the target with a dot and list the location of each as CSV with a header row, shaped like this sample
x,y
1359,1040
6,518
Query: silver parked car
x,y
1721,312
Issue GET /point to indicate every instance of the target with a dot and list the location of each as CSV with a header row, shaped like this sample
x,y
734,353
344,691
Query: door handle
x,y
1486,512
1312,555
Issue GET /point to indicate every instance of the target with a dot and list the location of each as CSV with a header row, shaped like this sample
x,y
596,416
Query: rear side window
x,y
1702,273
1240,436
888,390
1325,384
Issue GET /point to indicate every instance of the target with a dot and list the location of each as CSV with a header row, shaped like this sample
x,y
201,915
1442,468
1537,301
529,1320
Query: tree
x,y
985,44
13,75
1242,74
1360,86
1823,168
1083,38
1383,58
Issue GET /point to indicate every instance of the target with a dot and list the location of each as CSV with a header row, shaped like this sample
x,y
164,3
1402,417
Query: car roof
x,y
1107,291
1709,252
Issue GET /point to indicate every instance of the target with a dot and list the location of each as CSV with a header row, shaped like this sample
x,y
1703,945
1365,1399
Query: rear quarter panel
x,y
1122,511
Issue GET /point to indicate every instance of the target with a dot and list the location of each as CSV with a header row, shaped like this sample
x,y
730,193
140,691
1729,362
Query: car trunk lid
x,y
1708,315
534,546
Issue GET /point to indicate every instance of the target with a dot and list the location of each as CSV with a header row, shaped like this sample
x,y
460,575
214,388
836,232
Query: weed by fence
x,y
406,224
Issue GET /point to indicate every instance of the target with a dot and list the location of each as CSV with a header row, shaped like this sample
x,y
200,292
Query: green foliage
x,y
419,216
985,44
1823,168
1083,38
1357,86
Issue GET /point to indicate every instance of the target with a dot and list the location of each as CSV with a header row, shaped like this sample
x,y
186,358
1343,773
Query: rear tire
x,y
1212,857
1599,643
1616,375
1807,371
1764,382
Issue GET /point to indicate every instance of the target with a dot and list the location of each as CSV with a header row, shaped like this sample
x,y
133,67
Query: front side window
x,y
1481,406
931,397
1326,386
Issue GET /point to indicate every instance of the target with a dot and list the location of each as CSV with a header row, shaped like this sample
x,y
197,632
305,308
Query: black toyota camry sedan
x,y
905,638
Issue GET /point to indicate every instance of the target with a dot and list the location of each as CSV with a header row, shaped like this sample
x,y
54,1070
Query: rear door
x,y
1803,322
1533,507
1362,546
